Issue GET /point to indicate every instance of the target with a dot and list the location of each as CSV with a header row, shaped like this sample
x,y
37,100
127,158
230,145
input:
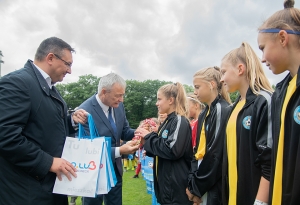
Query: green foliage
x,y
134,190
139,100
76,93
188,88
234,96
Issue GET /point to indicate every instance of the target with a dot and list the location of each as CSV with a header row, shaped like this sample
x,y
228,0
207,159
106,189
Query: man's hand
x,y
129,148
80,116
61,166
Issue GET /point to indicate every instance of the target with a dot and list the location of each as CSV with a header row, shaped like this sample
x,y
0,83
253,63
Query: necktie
x,y
111,121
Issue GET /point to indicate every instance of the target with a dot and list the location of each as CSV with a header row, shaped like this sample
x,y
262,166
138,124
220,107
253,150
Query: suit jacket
x,y
104,128
33,128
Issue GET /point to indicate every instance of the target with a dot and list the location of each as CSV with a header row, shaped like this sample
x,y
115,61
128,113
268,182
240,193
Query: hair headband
x,y
276,30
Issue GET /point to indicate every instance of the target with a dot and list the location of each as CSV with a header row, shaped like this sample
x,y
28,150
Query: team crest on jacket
x,y
150,164
164,134
247,122
297,115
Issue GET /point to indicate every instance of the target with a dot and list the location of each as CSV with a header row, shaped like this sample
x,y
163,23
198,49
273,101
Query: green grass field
x,y
134,190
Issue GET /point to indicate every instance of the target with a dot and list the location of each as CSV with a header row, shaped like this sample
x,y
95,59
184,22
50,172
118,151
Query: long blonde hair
x,y
177,91
254,70
213,74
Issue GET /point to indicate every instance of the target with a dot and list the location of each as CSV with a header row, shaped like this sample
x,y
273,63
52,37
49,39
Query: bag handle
x,y
92,128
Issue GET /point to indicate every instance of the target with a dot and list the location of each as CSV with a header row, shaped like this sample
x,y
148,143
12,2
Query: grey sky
x,y
138,39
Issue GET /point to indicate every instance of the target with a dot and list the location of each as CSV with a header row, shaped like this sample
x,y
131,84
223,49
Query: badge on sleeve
x,y
297,115
164,134
247,122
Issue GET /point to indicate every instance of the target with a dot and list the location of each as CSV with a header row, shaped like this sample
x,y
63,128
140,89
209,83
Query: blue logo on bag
x,y
247,122
91,165
164,134
206,127
297,115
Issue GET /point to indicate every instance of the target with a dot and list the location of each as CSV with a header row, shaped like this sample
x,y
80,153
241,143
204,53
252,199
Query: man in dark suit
x,y
108,112
33,128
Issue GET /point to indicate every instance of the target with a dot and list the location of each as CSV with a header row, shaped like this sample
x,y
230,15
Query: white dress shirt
x,y
105,110
45,75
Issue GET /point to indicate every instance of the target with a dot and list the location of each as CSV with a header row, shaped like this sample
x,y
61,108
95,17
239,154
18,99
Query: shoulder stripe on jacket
x,y
268,98
176,131
218,105
218,121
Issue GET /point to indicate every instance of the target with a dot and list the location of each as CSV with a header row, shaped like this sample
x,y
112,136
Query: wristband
x,y
258,202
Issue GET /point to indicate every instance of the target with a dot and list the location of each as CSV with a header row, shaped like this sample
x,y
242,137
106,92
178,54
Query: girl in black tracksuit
x,y
171,147
247,151
204,179
279,40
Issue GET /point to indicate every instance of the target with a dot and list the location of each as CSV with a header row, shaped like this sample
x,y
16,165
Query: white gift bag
x,y
110,167
103,180
90,155
107,177
85,155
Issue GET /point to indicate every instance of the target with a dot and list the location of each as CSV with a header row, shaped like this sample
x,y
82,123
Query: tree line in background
x,y
139,99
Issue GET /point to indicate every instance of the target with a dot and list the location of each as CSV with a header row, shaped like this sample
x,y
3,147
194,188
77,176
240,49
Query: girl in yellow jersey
x,y
247,156
204,179
279,40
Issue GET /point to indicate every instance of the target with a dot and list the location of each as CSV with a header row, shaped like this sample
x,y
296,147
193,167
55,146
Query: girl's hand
x,y
154,128
197,200
189,194
141,132
192,197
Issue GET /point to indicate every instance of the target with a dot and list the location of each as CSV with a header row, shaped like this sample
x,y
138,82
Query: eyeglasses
x,y
66,63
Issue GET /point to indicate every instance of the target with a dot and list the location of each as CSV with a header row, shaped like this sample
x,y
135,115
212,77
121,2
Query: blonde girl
x,y
246,163
171,147
195,108
279,40
204,179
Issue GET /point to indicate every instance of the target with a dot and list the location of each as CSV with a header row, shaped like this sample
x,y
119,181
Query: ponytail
x,y
177,91
213,74
254,70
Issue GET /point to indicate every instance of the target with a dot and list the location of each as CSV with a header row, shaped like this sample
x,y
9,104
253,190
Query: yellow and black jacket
x,y
206,178
291,151
254,142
